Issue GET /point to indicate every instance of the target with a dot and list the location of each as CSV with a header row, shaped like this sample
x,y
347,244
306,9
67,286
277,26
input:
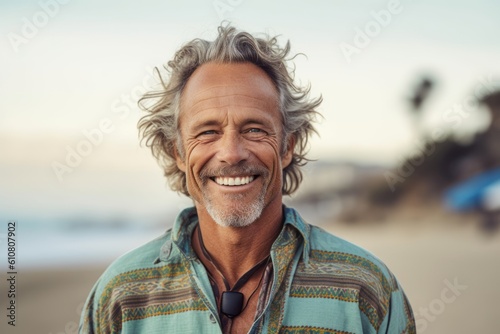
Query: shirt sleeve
x,y
399,318
88,319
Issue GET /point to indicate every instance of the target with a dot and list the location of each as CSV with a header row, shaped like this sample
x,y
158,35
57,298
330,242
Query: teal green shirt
x,y
320,284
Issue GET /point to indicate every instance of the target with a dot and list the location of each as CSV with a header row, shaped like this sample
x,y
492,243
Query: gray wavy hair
x,y
160,128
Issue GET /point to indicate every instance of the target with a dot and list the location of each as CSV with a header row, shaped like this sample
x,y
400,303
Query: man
x,y
230,129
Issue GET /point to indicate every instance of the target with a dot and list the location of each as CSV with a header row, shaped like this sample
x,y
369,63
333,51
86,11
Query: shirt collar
x,y
295,221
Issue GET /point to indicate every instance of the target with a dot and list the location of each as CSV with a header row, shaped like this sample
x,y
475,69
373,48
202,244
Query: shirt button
x,y
212,318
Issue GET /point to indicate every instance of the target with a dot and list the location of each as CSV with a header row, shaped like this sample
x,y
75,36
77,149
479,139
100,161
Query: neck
x,y
237,249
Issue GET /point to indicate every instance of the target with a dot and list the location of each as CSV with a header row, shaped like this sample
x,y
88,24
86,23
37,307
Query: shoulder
x,y
323,247
350,273
133,266
328,248
144,255
331,254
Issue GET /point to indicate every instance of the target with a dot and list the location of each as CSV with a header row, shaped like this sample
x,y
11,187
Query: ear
x,y
181,164
286,159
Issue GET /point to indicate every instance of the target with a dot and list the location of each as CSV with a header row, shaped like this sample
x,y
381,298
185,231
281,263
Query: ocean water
x,y
42,245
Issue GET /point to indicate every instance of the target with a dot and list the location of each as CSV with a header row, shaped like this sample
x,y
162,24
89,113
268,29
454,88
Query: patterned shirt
x,y
320,284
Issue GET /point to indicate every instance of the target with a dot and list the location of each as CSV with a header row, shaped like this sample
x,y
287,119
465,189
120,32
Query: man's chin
x,y
236,217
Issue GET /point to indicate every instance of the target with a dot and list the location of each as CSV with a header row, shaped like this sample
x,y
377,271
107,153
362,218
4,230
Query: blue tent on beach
x,y
470,194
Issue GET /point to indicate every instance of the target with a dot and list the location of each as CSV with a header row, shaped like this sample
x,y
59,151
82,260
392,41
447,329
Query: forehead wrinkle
x,y
224,90
229,101
221,91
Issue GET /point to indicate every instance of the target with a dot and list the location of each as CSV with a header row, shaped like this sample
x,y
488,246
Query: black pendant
x,y
231,303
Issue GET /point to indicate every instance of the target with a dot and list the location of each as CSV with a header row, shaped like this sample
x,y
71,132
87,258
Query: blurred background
x,y
406,164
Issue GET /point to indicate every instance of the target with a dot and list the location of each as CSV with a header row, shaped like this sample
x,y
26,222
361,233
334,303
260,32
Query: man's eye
x,y
207,133
254,133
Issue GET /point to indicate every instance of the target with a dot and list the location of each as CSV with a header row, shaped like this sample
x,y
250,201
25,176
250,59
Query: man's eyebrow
x,y
259,121
246,121
204,124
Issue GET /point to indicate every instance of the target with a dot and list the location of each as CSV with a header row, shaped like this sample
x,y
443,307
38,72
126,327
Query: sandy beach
x,y
50,301
450,273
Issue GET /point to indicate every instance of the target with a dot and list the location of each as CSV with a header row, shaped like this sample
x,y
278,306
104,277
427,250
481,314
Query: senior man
x,y
230,128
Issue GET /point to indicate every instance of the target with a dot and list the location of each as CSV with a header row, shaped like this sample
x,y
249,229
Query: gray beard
x,y
242,215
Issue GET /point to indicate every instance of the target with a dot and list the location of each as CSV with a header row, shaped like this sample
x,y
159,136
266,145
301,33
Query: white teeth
x,y
234,181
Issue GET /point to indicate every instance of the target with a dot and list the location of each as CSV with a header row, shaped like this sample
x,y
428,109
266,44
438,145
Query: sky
x,y
72,71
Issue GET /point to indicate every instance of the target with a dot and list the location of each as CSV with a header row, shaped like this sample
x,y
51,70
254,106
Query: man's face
x,y
231,137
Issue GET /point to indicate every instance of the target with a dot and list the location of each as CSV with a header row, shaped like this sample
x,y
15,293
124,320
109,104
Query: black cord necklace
x,y
231,304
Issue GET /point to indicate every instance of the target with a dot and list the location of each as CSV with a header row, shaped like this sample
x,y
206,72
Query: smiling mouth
x,y
233,181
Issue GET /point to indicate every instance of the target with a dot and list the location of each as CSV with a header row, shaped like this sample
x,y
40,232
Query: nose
x,y
232,149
